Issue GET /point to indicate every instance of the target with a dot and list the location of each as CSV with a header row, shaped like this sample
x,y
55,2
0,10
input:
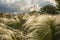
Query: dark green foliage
x,y
50,9
32,12
58,4
1,14
15,25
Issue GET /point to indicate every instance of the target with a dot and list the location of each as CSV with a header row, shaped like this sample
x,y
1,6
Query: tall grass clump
x,y
40,28
10,34
57,27
15,22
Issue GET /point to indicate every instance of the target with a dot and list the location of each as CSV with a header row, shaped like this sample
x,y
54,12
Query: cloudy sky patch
x,y
23,5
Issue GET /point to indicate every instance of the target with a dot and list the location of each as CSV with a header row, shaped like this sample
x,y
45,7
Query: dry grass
x,y
37,27
29,27
10,34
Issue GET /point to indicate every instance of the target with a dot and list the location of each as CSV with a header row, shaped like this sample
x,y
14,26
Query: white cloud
x,y
26,2
8,1
52,1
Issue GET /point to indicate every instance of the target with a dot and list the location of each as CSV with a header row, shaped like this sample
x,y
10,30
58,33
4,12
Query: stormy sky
x,y
23,5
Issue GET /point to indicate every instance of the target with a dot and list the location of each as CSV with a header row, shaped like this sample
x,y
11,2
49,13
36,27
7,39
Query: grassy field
x,y
29,27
